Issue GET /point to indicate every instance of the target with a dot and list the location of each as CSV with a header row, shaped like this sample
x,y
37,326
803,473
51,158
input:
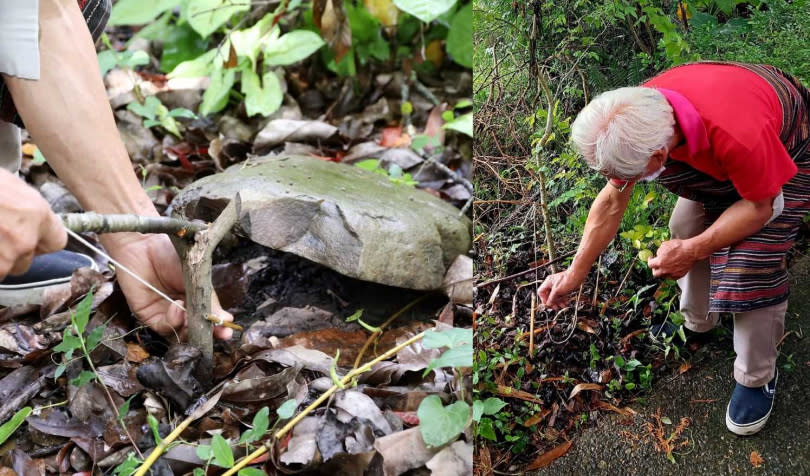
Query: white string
x,y
125,269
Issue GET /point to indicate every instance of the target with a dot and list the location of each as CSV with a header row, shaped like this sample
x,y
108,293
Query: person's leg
x,y
756,334
688,220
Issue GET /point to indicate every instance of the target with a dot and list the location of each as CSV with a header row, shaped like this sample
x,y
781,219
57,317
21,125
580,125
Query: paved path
x,y
784,444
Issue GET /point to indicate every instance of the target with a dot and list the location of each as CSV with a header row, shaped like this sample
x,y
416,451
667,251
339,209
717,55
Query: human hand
x,y
153,258
673,260
556,287
27,225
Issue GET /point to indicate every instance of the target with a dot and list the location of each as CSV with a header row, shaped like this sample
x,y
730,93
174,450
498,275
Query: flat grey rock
x,y
356,222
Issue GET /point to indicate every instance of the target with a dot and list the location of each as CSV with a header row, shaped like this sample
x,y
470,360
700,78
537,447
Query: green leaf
x,y
83,378
155,427
69,343
493,405
122,412
251,472
222,452
131,59
198,472
370,165
263,99
666,421
452,337
149,108
261,421
199,66
463,124
425,10
439,424
94,338
459,38
128,466
138,12
485,429
292,47
204,452
287,409
644,255
205,16
106,61
182,112
181,43
81,314
215,97
9,427
39,159
478,410
247,43
463,103
461,356
60,369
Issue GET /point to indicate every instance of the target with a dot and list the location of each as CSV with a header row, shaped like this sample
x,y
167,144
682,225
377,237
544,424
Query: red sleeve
x,y
757,169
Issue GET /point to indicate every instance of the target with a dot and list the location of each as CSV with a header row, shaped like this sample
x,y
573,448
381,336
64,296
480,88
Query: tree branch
x,y
90,221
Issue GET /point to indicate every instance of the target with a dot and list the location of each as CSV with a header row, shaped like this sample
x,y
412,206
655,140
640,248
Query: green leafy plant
x,y
394,172
8,428
154,113
109,58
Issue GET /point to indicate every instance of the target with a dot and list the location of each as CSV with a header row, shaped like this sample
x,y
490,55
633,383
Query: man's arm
x,y
600,229
68,115
742,219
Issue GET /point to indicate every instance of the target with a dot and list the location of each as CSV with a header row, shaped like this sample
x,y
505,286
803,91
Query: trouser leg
x,y
10,148
756,334
688,220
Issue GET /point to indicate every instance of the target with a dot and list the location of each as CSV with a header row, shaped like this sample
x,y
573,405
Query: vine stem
x,y
345,380
376,334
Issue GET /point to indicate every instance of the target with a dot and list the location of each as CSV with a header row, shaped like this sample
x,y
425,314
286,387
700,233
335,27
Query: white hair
x,y
618,131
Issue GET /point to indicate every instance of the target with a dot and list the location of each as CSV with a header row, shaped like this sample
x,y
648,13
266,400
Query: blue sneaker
x,y
46,271
749,408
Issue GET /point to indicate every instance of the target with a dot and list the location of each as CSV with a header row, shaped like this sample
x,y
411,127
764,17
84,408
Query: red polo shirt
x,y
731,119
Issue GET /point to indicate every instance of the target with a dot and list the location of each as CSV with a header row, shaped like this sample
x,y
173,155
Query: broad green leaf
x,y
463,124
94,338
425,10
459,38
493,405
138,12
478,410
251,472
261,421
645,255
485,429
149,108
69,343
131,59
439,424
81,314
200,66
292,47
287,409
452,337
264,98
9,427
368,164
129,466
461,356
205,16
198,472
60,369
222,452
182,112
181,43
106,61
83,378
204,452
215,97
122,412
248,42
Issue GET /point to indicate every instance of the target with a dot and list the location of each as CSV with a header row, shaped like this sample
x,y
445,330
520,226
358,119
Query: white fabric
x,y
19,38
778,207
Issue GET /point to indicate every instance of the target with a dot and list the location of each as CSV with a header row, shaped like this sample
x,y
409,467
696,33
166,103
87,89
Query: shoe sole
x,y
749,428
32,293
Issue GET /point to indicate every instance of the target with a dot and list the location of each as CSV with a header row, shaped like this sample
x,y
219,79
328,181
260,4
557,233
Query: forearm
x,y
740,220
600,227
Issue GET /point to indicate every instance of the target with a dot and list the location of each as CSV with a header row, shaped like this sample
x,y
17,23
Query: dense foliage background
x,y
536,65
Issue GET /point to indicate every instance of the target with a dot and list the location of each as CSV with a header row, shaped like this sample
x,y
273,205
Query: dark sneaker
x,y
749,408
46,271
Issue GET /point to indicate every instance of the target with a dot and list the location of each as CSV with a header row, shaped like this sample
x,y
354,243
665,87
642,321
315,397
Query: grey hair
x,y
618,131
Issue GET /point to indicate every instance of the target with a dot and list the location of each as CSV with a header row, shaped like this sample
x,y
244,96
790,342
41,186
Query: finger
x,y
654,262
175,318
22,264
221,332
52,235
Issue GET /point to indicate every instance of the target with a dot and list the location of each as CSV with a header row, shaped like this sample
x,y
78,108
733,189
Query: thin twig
x,y
523,273
376,334
531,326
345,380
627,275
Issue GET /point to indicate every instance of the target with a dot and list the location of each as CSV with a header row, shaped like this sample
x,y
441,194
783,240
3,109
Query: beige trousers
x,y
756,333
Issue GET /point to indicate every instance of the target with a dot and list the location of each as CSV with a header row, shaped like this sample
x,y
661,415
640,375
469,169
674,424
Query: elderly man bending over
x,y
731,140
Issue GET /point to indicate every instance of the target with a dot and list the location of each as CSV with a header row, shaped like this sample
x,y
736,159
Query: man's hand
x,y
674,259
153,258
27,225
555,289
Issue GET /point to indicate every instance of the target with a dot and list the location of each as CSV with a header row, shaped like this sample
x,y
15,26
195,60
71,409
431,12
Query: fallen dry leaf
x,y
136,353
756,459
505,391
536,418
684,367
584,386
549,456
393,137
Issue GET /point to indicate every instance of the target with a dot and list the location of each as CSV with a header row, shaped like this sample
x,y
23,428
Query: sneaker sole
x,y
32,293
749,428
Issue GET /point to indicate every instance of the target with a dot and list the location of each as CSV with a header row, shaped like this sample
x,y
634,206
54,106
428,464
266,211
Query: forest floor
x,y
620,445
